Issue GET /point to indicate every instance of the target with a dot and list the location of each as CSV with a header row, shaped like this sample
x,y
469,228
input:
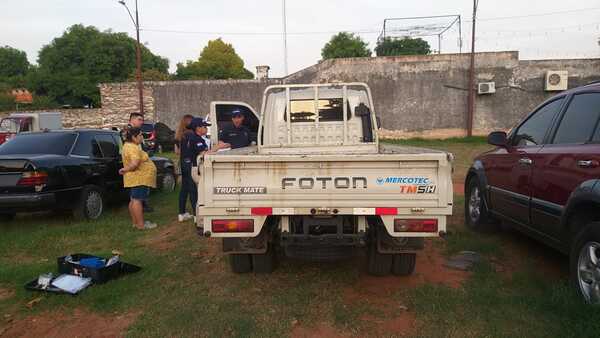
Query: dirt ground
x,y
78,323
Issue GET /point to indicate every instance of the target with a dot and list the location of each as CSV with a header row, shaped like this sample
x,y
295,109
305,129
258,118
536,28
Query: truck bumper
x,y
27,202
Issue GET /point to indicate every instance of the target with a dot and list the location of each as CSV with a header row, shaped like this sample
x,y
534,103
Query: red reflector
x,y
31,178
386,211
232,225
262,211
415,225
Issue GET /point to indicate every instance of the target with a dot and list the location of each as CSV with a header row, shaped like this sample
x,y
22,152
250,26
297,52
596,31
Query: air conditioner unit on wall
x,y
556,80
486,88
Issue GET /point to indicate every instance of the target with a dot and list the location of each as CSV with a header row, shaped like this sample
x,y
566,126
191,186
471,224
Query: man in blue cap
x,y
192,145
237,135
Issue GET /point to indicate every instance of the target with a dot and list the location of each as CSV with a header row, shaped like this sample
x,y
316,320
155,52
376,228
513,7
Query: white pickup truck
x,y
319,185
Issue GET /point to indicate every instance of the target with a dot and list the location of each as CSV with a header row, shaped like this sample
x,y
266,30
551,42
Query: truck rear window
x,y
330,110
39,143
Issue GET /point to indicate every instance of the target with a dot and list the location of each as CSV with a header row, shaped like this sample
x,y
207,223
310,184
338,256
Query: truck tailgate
x,y
342,181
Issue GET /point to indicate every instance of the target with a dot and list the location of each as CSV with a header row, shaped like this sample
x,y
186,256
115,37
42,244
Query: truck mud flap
x,y
246,245
393,245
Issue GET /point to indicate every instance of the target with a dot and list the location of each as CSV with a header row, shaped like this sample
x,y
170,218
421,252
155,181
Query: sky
x,y
179,29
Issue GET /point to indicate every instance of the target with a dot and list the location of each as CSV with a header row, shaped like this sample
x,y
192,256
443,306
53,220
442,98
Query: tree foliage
x,y
13,67
71,66
345,45
405,46
218,60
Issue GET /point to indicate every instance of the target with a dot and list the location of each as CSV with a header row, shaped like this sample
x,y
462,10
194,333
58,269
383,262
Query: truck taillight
x,y
386,211
33,178
261,211
415,225
232,225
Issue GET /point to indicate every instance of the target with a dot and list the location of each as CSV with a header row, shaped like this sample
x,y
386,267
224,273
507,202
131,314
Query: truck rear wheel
x,y
404,264
264,263
378,264
240,263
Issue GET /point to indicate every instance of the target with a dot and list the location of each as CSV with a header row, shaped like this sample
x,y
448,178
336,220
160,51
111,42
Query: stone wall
x,y
84,118
123,98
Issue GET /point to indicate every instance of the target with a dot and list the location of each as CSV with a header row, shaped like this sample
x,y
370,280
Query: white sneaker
x,y
184,217
149,225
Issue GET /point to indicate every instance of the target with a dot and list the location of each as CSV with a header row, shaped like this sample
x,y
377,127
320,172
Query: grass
x,y
186,288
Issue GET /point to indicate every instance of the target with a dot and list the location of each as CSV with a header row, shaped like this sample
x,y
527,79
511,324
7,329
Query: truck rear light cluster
x,y
33,178
232,225
415,225
261,211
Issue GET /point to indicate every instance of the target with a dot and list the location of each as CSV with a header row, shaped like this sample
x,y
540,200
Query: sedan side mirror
x,y
498,138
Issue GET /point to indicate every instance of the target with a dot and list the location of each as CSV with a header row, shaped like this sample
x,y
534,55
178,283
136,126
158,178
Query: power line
x,y
257,33
539,14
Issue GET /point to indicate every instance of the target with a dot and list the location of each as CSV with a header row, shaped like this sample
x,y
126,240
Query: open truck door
x,y
220,117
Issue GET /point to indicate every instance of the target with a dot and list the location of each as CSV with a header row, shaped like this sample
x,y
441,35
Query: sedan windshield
x,y
39,143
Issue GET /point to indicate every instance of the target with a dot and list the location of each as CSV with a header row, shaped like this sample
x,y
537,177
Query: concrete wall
x,y
415,96
85,118
427,95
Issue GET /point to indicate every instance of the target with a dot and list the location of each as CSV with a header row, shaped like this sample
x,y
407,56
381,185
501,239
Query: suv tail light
x,y
232,225
415,225
33,178
152,135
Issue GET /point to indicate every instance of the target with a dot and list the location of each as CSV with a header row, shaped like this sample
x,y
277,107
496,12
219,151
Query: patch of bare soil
x,y
167,237
318,331
381,292
6,293
79,323
459,188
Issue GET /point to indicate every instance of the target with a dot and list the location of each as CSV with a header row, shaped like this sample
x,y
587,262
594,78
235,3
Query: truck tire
x,y
584,263
264,263
476,214
6,217
240,263
91,203
404,264
378,264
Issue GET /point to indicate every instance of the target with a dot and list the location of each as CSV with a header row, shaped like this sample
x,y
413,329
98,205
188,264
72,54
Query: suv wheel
x,y
168,182
476,213
90,204
585,263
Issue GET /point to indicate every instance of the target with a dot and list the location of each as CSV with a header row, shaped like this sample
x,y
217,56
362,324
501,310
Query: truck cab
x,y
24,122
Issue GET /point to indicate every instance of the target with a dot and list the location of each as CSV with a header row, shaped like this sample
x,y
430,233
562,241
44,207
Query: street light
x,y
138,52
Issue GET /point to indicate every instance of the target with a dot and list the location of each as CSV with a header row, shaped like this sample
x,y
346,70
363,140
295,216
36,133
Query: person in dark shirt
x,y
192,145
237,135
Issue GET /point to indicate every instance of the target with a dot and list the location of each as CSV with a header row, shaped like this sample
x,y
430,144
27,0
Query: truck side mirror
x,y
498,138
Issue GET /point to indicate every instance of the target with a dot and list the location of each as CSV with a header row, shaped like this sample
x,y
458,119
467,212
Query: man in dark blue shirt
x,y
192,145
237,135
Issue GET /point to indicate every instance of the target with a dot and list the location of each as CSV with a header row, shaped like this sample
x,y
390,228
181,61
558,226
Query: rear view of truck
x,y
319,186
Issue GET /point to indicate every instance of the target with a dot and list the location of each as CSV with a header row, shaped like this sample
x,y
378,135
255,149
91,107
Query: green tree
x,y
13,67
72,65
218,60
345,45
405,46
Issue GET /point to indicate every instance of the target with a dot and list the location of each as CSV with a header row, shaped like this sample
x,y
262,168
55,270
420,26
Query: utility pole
x,y
285,51
138,54
471,103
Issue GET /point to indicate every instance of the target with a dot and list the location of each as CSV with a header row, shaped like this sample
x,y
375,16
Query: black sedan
x,y
75,170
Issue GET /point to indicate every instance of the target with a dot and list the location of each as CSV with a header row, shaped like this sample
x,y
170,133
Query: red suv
x,y
543,178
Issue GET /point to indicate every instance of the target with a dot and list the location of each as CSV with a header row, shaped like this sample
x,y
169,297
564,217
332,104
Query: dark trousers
x,y
188,188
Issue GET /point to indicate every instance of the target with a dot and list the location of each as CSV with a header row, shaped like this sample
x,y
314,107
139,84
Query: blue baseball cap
x,y
236,112
198,122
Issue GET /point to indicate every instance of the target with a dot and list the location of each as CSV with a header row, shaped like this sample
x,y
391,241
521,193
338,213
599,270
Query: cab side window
x,y
532,132
579,119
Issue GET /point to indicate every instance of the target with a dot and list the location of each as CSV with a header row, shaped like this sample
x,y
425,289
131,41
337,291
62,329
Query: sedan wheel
x,y
588,272
94,204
